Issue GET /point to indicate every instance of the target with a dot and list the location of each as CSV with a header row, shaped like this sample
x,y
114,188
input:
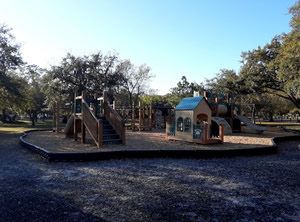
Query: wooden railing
x,y
93,125
116,121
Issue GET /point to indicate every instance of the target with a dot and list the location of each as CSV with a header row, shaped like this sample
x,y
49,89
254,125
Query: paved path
x,y
265,188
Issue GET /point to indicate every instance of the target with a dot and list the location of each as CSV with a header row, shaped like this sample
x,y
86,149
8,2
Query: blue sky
x,y
175,38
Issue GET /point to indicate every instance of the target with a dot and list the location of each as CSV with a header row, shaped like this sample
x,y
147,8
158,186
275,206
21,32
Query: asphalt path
x,y
257,188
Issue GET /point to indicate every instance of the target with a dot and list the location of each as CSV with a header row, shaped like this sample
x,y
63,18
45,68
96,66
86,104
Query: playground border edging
x,y
106,155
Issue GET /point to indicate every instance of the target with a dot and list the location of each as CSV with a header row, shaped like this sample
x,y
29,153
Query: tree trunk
x,y
271,117
4,115
32,118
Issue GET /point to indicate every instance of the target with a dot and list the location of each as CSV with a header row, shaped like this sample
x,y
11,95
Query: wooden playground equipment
x,y
224,106
226,111
145,114
97,117
193,122
57,111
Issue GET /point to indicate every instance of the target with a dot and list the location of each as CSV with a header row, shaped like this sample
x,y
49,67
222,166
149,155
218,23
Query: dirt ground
x,y
155,139
256,188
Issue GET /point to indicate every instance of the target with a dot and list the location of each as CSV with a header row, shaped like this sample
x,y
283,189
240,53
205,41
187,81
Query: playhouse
x,y
193,121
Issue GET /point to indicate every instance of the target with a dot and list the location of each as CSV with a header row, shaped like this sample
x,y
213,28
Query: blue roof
x,y
189,103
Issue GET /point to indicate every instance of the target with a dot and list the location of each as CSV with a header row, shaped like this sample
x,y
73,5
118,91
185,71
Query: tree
x,y
10,60
183,89
274,69
33,96
93,73
135,80
226,81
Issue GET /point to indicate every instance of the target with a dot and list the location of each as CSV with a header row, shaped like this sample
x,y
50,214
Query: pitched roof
x,y
190,103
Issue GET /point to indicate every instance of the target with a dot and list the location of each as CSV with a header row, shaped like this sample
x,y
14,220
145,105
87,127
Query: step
x,y
112,141
107,127
108,131
110,136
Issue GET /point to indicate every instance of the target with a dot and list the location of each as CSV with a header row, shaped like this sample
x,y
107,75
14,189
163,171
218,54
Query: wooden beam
x,y
140,115
150,117
221,133
133,118
100,131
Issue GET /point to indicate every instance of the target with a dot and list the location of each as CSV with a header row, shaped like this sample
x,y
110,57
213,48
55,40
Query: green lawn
x,y
293,127
24,125
278,123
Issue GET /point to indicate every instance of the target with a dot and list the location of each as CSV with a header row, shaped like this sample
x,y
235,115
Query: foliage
x,y
92,73
10,59
183,89
274,69
134,81
226,81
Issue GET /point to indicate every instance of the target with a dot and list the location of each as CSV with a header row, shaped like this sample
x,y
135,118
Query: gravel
x,y
263,188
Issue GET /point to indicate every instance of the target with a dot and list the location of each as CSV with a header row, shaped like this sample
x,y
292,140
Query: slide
x,y
249,123
69,128
221,121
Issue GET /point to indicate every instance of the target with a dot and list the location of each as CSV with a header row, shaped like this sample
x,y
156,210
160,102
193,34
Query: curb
x,y
290,131
107,155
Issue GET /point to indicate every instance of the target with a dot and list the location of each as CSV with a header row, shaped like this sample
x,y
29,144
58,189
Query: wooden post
x,y
123,133
57,116
105,102
114,104
167,126
205,95
75,120
205,134
170,116
150,117
143,113
83,130
99,144
75,129
140,115
83,98
154,119
105,97
221,133
95,104
133,118
217,108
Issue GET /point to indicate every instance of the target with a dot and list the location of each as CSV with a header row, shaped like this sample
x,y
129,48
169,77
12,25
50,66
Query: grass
x,y
24,125
278,123
293,127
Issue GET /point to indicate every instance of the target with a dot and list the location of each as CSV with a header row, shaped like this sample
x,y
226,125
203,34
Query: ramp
x,y
221,121
249,123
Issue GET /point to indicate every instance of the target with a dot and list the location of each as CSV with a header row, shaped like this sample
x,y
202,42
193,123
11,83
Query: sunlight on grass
x,y
293,127
278,123
24,125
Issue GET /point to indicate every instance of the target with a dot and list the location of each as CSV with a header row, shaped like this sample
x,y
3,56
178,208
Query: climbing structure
x,y
97,117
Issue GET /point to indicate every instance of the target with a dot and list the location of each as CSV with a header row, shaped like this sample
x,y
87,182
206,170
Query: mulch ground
x,y
260,188
152,140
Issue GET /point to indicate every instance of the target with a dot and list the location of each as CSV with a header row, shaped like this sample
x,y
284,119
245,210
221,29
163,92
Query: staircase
x,y
109,135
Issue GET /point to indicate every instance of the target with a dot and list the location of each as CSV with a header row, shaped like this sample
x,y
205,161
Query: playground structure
x,y
149,117
57,111
193,122
97,117
225,111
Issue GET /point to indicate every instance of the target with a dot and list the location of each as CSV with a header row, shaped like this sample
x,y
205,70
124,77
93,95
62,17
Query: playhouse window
x,y
187,124
180,124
